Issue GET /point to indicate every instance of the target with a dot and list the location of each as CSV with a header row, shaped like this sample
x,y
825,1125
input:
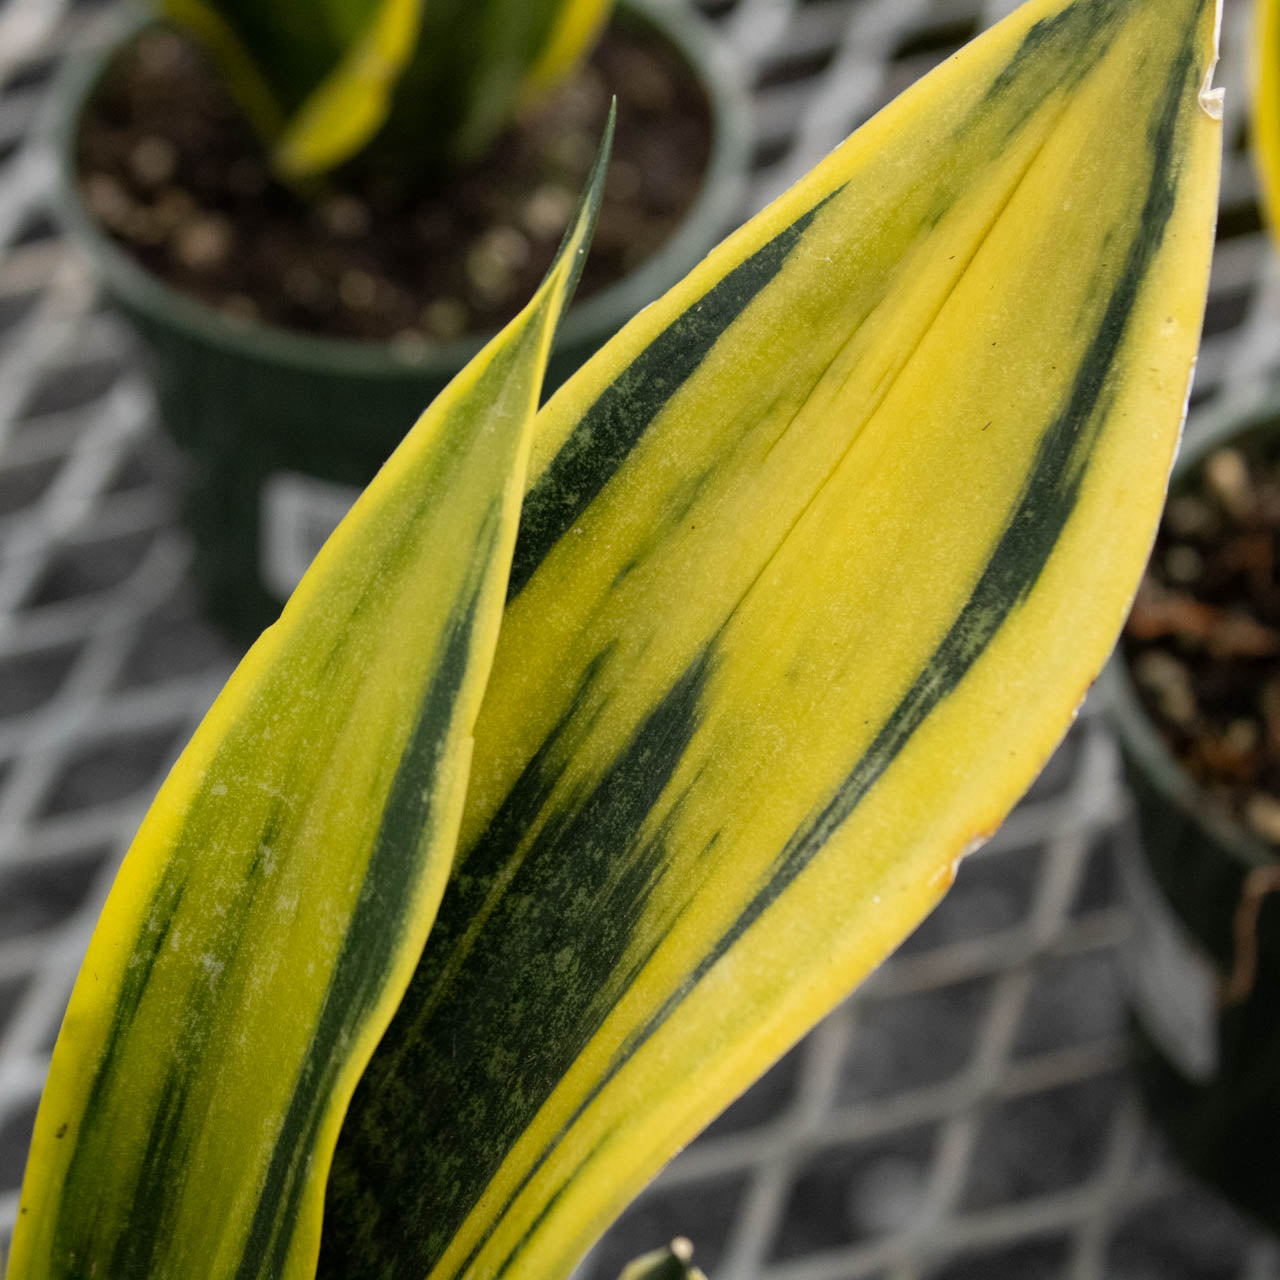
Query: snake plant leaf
x,y
1266,108
818,558
576,25
433,81
474,64
271,910
274,53
349,106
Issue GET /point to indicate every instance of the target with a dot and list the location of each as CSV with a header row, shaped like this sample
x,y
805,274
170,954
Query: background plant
x,y
426,83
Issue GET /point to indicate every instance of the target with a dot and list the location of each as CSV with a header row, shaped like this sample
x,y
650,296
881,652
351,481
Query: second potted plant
x,y
1194,695
192,224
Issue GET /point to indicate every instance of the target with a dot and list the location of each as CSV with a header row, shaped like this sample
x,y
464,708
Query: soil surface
x,y
171,170
1203,641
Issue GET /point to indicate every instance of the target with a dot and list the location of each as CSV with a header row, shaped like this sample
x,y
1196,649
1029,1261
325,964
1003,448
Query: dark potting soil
x,y
171,170
1203,641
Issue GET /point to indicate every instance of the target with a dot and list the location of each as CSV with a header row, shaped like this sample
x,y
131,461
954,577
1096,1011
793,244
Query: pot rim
x,y
594,319
1140,739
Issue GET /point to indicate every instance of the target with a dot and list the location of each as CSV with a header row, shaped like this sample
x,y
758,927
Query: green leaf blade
x,y
270,55
818,558
272,908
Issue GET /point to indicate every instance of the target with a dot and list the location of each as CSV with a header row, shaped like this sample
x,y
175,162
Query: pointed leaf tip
x,y
576,242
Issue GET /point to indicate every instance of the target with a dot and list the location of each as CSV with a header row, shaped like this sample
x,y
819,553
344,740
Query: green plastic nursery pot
x,y
280,427
1205,956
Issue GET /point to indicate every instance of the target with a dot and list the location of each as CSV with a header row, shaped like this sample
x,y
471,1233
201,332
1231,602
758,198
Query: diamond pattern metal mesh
x,y
967,1115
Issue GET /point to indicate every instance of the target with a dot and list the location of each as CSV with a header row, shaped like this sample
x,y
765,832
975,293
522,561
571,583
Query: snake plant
x,y
432,82
816,560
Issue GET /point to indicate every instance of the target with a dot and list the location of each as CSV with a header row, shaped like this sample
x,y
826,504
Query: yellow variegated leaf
x,y
349,106
273,905
576,27
819,556
1266,106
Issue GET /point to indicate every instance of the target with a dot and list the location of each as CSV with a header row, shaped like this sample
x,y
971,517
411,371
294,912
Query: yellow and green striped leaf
x,y
459,66
350,105
471,68
818,558
273,53
577,23
316,83
274,903
433,82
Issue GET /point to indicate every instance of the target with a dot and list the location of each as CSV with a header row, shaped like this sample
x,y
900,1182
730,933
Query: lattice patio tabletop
x,y
967,1115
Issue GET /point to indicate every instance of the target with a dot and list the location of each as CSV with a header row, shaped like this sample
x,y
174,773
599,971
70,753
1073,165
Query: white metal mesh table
x,y
968,1114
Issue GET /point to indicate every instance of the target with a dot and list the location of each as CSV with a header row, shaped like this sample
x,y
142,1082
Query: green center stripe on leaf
x,y
358,978
801,608
576,856
609,430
